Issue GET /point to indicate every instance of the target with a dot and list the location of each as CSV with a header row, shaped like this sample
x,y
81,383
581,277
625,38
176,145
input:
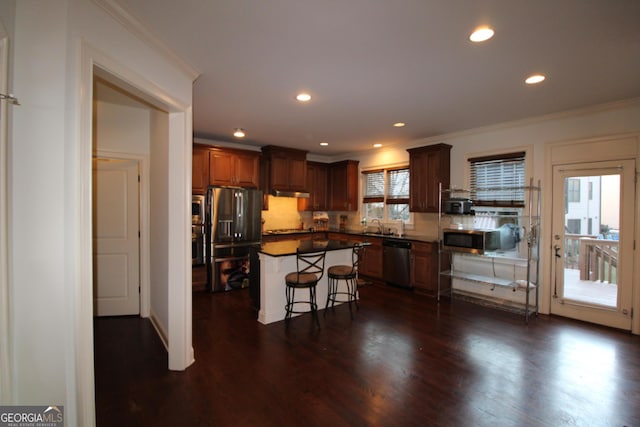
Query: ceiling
x,y
371,63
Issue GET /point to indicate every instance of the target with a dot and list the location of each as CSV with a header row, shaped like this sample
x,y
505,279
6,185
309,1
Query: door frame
x,y
179,135
588,150
143,203
609,316
6,373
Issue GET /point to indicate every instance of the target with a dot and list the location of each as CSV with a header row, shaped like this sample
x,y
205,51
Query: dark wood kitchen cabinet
x,y
284,169
370,264
343,186
239,168
200,169
428,166
317,185
424,269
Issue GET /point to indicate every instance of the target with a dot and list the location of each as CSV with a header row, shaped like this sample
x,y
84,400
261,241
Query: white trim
x,y
83,321
131,24
6,376
162,333
145,265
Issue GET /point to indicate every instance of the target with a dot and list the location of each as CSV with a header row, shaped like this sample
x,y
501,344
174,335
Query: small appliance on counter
x,y
321,221
457,206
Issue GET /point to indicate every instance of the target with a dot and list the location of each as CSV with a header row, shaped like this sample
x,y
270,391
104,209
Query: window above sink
x,y
386,195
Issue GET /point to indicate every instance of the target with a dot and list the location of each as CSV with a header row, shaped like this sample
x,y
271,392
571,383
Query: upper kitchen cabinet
x,y
200,169
428,166
284,170
343,186
317,185
238,168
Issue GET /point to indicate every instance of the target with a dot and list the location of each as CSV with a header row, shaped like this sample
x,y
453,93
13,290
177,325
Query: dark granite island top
x,y
289,247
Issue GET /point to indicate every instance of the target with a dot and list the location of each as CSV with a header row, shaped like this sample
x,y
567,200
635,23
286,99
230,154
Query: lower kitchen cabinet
x,y
370,264
424,269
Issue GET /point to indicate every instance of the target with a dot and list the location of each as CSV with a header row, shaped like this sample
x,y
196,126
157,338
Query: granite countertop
x,y
412,238
289,247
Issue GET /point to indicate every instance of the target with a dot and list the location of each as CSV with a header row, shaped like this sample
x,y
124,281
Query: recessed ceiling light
x,y
303,97
324,144
238,133
378,145
481,34
399,124
534,78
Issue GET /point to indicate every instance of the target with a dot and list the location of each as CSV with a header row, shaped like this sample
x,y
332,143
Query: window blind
x,y
373,186
398,186
498,180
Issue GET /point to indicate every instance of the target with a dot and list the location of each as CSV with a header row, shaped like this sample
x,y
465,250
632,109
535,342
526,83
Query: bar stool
x,y
348,273
309,271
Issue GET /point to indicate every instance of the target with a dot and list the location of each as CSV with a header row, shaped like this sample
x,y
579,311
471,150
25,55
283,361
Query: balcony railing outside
x,y
597,259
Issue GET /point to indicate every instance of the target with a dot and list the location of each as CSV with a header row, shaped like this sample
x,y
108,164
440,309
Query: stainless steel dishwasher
x,y
395,262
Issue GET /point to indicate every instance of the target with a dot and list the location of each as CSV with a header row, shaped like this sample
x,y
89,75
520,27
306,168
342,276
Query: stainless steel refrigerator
x,y
233,227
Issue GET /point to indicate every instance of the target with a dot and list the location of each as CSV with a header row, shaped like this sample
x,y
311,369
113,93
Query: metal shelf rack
x,y
530,221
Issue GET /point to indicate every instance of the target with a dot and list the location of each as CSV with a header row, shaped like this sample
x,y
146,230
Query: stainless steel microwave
x,y
472,240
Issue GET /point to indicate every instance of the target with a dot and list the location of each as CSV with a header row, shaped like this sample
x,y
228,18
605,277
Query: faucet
x,y
380,228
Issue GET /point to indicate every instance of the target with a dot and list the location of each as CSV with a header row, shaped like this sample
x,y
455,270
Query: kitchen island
x,y
277,259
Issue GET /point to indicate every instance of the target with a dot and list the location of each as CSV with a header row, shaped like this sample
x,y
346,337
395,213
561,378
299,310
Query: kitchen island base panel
x,y
273,269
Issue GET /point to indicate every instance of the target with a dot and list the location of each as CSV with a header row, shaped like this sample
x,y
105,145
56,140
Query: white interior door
x,y
116,255
593,229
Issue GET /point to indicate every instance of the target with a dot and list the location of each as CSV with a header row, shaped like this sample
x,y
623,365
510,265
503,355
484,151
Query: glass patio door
x,y
592,245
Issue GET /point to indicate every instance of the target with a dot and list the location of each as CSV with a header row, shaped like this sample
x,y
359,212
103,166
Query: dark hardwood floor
x,y
403,360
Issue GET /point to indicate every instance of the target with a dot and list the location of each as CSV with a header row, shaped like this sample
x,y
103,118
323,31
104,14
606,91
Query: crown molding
x,y
135,27
592,109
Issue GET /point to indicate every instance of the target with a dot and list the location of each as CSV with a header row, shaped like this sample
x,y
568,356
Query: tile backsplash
x,y
282,214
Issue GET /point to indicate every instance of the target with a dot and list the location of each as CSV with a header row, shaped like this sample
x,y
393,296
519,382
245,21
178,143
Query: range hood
x,y
286,193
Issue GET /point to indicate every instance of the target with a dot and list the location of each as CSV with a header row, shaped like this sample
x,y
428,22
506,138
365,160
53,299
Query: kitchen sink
x,y
378,234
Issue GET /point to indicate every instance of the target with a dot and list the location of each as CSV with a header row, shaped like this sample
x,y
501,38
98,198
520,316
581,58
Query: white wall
x,y
6,377
159,223
40,297
122,124
55,45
